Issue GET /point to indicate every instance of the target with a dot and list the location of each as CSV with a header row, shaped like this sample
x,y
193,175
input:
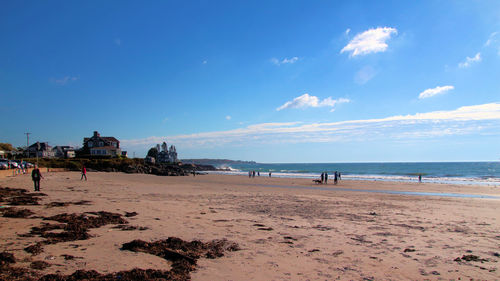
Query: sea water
x,y
482,173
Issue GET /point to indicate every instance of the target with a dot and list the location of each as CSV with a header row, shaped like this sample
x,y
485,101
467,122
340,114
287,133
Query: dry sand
x,y
285,230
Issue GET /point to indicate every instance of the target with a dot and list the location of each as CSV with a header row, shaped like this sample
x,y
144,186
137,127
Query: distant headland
x,y
215,162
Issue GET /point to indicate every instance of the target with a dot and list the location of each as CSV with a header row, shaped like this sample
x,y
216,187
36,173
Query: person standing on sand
x,y
322,177
326,178
36,176
419,177
335,177
269,174
84,173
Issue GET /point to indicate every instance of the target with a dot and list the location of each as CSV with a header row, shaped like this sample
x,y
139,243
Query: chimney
x,y
96,134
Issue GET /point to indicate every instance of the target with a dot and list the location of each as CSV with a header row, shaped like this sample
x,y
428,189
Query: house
x,y
165,154
64,151
101,146
40,149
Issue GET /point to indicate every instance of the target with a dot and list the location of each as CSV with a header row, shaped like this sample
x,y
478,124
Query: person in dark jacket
x,y
36,176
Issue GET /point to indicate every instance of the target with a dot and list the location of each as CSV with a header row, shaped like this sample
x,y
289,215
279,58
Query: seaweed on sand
x,y
7,272
73,226
182,254
17,196
12,212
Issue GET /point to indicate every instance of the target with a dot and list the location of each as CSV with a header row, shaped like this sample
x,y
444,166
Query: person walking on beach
x,y
269,174
340,177
322,177
84,173
335,177
326,178
36,176
419,177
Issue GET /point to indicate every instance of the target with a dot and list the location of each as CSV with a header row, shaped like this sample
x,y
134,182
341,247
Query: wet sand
x,y
286,229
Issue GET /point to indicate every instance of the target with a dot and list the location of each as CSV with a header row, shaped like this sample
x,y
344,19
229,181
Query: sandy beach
x,y
285,229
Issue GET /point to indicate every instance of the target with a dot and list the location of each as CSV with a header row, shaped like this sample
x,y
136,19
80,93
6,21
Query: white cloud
x,y
475,119
468,61
284,61
306,100
228,117
435,91
65,80
347,31
370,41
491,39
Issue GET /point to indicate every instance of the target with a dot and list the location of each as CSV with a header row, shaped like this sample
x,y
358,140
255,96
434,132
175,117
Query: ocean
x,y
470,173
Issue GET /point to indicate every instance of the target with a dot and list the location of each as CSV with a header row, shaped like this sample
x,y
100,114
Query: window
x,y
101,143
90,143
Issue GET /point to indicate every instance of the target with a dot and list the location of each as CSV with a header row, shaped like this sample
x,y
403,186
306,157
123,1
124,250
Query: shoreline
x,y
283,233
376,178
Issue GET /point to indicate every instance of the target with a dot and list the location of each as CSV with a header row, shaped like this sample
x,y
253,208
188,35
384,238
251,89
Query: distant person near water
x,y
253,174
322,177
84,173
335,177
340,176
269,174
258,174
36,176
419,177
326,178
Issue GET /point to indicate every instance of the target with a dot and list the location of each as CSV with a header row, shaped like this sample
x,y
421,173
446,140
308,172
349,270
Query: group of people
x,y
36,176
336,177
251,174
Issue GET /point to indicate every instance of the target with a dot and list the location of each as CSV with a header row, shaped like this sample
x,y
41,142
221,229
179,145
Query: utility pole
x,y
27,143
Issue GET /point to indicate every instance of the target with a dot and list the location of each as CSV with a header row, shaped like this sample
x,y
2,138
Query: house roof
x,y
111,139
43,145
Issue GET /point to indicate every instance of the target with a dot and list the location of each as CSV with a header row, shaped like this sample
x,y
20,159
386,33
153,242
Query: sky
x,y
268,81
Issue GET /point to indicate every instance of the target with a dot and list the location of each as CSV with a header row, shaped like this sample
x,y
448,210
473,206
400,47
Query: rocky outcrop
x,y
154,169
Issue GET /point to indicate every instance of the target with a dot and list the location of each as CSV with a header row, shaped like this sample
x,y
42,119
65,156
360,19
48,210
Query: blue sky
x,y
270,81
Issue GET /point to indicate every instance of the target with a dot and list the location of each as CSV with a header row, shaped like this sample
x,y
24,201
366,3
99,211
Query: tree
x,y
6,147
153,152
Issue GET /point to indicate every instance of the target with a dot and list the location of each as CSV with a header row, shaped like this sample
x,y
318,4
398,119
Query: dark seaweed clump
x,y
12,212
12,273
18,196
64,204
182,254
